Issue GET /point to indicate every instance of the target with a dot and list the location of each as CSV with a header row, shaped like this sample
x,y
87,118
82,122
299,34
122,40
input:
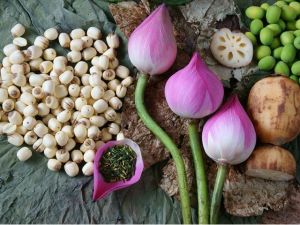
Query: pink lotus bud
x,y
228,136
194,91
101,187
152,45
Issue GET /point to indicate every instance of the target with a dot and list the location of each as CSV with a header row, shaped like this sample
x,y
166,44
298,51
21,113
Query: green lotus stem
x,y
202,189
217,193
169,144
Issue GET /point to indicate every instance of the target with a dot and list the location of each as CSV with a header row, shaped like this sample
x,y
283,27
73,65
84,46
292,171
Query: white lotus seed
x,y
54,165
41,42
17,30
89,156
64,40
24,154
77,156
51,33
71,169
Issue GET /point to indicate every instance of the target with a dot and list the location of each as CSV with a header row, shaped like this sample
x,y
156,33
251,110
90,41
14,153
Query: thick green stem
x,y
169,144
217,194
202,189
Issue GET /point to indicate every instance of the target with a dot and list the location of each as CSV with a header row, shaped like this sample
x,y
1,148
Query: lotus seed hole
x,y
241,53
221,48
230,56
242,45
222,39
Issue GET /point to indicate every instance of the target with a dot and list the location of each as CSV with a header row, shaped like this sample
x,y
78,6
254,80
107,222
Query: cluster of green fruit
x,y
275,33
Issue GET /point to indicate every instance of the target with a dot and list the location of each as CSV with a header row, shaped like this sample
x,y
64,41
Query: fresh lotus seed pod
x,y
18,30
54,165
24,154
51,34
235,51
71,169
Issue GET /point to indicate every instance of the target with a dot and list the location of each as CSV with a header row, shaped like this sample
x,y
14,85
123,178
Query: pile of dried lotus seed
x,y
59,105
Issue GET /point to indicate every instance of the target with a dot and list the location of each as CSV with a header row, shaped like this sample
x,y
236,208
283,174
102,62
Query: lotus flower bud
x,y
194,91
229,137
152,46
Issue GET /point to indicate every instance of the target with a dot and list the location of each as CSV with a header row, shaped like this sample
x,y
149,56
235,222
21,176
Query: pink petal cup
x,y
103,188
